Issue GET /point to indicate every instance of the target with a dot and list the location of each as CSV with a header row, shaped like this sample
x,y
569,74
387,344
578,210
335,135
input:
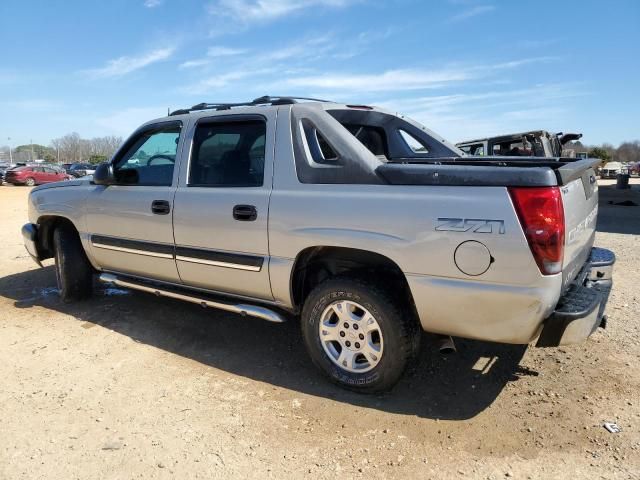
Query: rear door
x,y
130,224
37,173
51,175
222,202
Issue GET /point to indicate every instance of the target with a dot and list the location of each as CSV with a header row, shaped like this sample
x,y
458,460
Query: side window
x,y
320,150
150,158
477,149
228,154
416,145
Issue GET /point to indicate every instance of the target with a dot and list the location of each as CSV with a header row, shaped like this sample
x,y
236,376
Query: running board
x,y
242,309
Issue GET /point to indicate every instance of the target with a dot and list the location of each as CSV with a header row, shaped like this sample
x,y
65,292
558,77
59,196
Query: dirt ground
x,y
130,386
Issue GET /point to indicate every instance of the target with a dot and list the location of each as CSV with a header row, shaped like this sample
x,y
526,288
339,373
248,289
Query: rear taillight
x,y
541,216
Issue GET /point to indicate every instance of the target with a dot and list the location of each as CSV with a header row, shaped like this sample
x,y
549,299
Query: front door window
x,y
150,158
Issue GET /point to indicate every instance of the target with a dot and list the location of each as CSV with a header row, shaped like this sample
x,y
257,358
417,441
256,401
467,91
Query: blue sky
x,y
464,68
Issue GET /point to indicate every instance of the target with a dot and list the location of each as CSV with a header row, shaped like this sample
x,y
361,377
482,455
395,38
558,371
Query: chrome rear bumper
x,y
580,311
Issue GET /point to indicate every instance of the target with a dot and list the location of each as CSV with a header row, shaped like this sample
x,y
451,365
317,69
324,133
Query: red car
x,y
34,175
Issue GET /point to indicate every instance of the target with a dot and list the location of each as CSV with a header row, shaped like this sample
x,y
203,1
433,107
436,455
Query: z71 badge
x,y
475,225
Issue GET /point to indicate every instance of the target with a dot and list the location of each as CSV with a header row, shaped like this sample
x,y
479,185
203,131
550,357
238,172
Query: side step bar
x,y
242,309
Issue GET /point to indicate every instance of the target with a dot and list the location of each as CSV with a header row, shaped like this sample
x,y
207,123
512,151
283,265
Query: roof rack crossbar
x,y
265,100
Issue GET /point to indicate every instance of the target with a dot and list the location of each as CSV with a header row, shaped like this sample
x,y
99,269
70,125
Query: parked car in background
x,y
536,143
610,170
3,168
81,169
35,175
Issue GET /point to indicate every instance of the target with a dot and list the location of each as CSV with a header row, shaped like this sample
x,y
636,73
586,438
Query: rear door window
x,y
228,154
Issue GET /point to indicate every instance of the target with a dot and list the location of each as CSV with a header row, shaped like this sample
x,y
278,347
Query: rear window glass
x,y
374,138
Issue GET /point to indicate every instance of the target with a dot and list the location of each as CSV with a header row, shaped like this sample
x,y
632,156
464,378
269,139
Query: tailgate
x,y
580,202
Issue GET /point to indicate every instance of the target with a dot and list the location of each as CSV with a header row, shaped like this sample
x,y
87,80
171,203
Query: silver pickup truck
x,y
362,223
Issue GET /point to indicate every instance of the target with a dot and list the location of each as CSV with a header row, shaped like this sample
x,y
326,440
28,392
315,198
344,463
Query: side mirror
x,y
104,174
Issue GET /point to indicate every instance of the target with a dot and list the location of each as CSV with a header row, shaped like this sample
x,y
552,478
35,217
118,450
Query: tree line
x,y
70,148
627,152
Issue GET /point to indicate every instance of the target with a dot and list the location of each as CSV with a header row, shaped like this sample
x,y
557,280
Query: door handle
x,y
160,207
245,213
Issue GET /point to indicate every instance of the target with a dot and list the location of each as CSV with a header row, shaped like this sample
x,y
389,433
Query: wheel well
x,y
316,264
46,227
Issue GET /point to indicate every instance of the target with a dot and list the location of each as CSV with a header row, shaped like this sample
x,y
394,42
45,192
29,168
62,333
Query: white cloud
x,y
123,65
472,115
259,63
213,52
223,80
218,51
406,79
472,12
152,3
245,12
200,62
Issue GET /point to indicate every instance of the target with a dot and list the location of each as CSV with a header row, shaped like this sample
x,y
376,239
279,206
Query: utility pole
x,y
31,141
10,156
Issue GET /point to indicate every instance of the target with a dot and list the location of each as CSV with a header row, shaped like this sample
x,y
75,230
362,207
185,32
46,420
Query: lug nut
x,y
346,325
357,345
361,336
355,326
342,334
348,343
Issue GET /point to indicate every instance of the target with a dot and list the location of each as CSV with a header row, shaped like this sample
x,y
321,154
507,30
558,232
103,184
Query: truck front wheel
x,y
357,334
74,273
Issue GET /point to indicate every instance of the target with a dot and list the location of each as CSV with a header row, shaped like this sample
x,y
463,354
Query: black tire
x,y
74,273
398,327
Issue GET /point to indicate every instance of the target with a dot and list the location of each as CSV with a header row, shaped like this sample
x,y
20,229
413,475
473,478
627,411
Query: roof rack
x,y
265,100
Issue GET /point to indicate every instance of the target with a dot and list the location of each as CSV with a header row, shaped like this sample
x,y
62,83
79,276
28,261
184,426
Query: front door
x,y
130,224
221,205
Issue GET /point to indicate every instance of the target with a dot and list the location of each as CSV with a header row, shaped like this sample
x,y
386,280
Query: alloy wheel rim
x,y
351,336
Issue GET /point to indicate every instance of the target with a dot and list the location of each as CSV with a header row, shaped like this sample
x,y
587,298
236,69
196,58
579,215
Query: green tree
x,y
39,151
600,153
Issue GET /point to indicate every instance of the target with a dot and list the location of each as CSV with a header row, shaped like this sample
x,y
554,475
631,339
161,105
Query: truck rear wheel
x,y
357,334
74,273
